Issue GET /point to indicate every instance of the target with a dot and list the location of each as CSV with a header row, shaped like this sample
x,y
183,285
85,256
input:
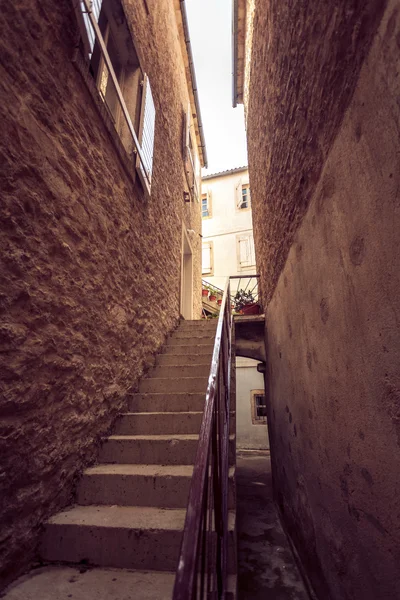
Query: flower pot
x,y
213,297
204,293
251,309
219,301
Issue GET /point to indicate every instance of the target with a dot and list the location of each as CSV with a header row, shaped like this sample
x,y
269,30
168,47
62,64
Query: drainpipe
x,y
194,82
234,51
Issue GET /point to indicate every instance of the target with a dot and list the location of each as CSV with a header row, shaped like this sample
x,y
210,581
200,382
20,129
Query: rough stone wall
x,y
305,61
90,268
333,316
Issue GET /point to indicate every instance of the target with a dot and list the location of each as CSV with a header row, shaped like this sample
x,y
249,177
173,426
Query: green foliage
x,y
242,298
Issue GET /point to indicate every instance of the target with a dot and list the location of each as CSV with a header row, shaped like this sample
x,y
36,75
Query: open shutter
x,y
147,133
191,161
87,30
238,194
186,133
209,202
206,258
252,251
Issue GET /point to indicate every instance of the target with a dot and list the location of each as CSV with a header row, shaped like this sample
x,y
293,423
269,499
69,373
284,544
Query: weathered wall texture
x,y
304,66
90,269
333,317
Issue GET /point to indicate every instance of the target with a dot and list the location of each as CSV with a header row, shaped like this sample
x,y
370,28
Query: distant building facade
x,y
228,249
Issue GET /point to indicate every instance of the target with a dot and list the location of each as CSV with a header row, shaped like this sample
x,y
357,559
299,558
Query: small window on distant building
x,y
258,407
206,205
207,258
245,199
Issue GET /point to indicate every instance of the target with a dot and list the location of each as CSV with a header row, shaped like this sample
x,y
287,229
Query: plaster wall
x,y
224,225
90,267
333,328
248,435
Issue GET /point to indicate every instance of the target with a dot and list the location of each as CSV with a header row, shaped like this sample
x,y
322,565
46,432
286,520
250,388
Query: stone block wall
x,y
90,267
325,179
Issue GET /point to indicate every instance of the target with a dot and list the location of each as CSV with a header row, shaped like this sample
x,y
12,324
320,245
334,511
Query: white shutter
x,y
206,258
209,202
238,194
147,132
89,38
244,251
252,251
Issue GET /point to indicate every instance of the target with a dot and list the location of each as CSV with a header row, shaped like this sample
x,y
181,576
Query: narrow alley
x,y
266,566
200,300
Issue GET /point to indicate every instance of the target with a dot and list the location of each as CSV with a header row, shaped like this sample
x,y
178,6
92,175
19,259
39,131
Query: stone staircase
x,y
122,538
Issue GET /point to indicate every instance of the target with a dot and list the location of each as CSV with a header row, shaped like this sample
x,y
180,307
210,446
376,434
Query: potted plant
x,y
204,292
213,294
245,304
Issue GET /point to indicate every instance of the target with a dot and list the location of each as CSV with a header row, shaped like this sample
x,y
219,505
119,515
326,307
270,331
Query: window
x,y
258,407
112,61
245,252
191,158
206,205
245,200
207,258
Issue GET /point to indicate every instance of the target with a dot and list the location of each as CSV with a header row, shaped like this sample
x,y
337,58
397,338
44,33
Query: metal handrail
x,y
202,565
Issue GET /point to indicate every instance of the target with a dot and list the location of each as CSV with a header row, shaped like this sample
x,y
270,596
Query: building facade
x,y
321,91
228,249
228,243
100,227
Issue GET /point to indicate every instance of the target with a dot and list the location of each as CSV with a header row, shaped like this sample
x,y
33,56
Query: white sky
x,y
210,26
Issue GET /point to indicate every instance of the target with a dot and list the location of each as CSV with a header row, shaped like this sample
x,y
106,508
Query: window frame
x,y
248,236
207,195
191,159
255,419
211,246
245,186
122,109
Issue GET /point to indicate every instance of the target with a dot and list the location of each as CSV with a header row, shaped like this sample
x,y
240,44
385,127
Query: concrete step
x,y
128,537
183,360
200,325
160,402
195,335
141,485
64,582
189,349
158,423
155,449
189,385
161,423
175,340
150,450
171,371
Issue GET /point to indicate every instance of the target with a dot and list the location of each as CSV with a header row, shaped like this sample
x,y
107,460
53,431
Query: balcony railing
x,y
202,566
244,292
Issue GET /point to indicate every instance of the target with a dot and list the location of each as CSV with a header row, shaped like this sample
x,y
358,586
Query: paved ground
x,y
267,570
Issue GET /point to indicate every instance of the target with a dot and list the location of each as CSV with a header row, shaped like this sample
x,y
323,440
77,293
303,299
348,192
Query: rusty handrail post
x,y
208,495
